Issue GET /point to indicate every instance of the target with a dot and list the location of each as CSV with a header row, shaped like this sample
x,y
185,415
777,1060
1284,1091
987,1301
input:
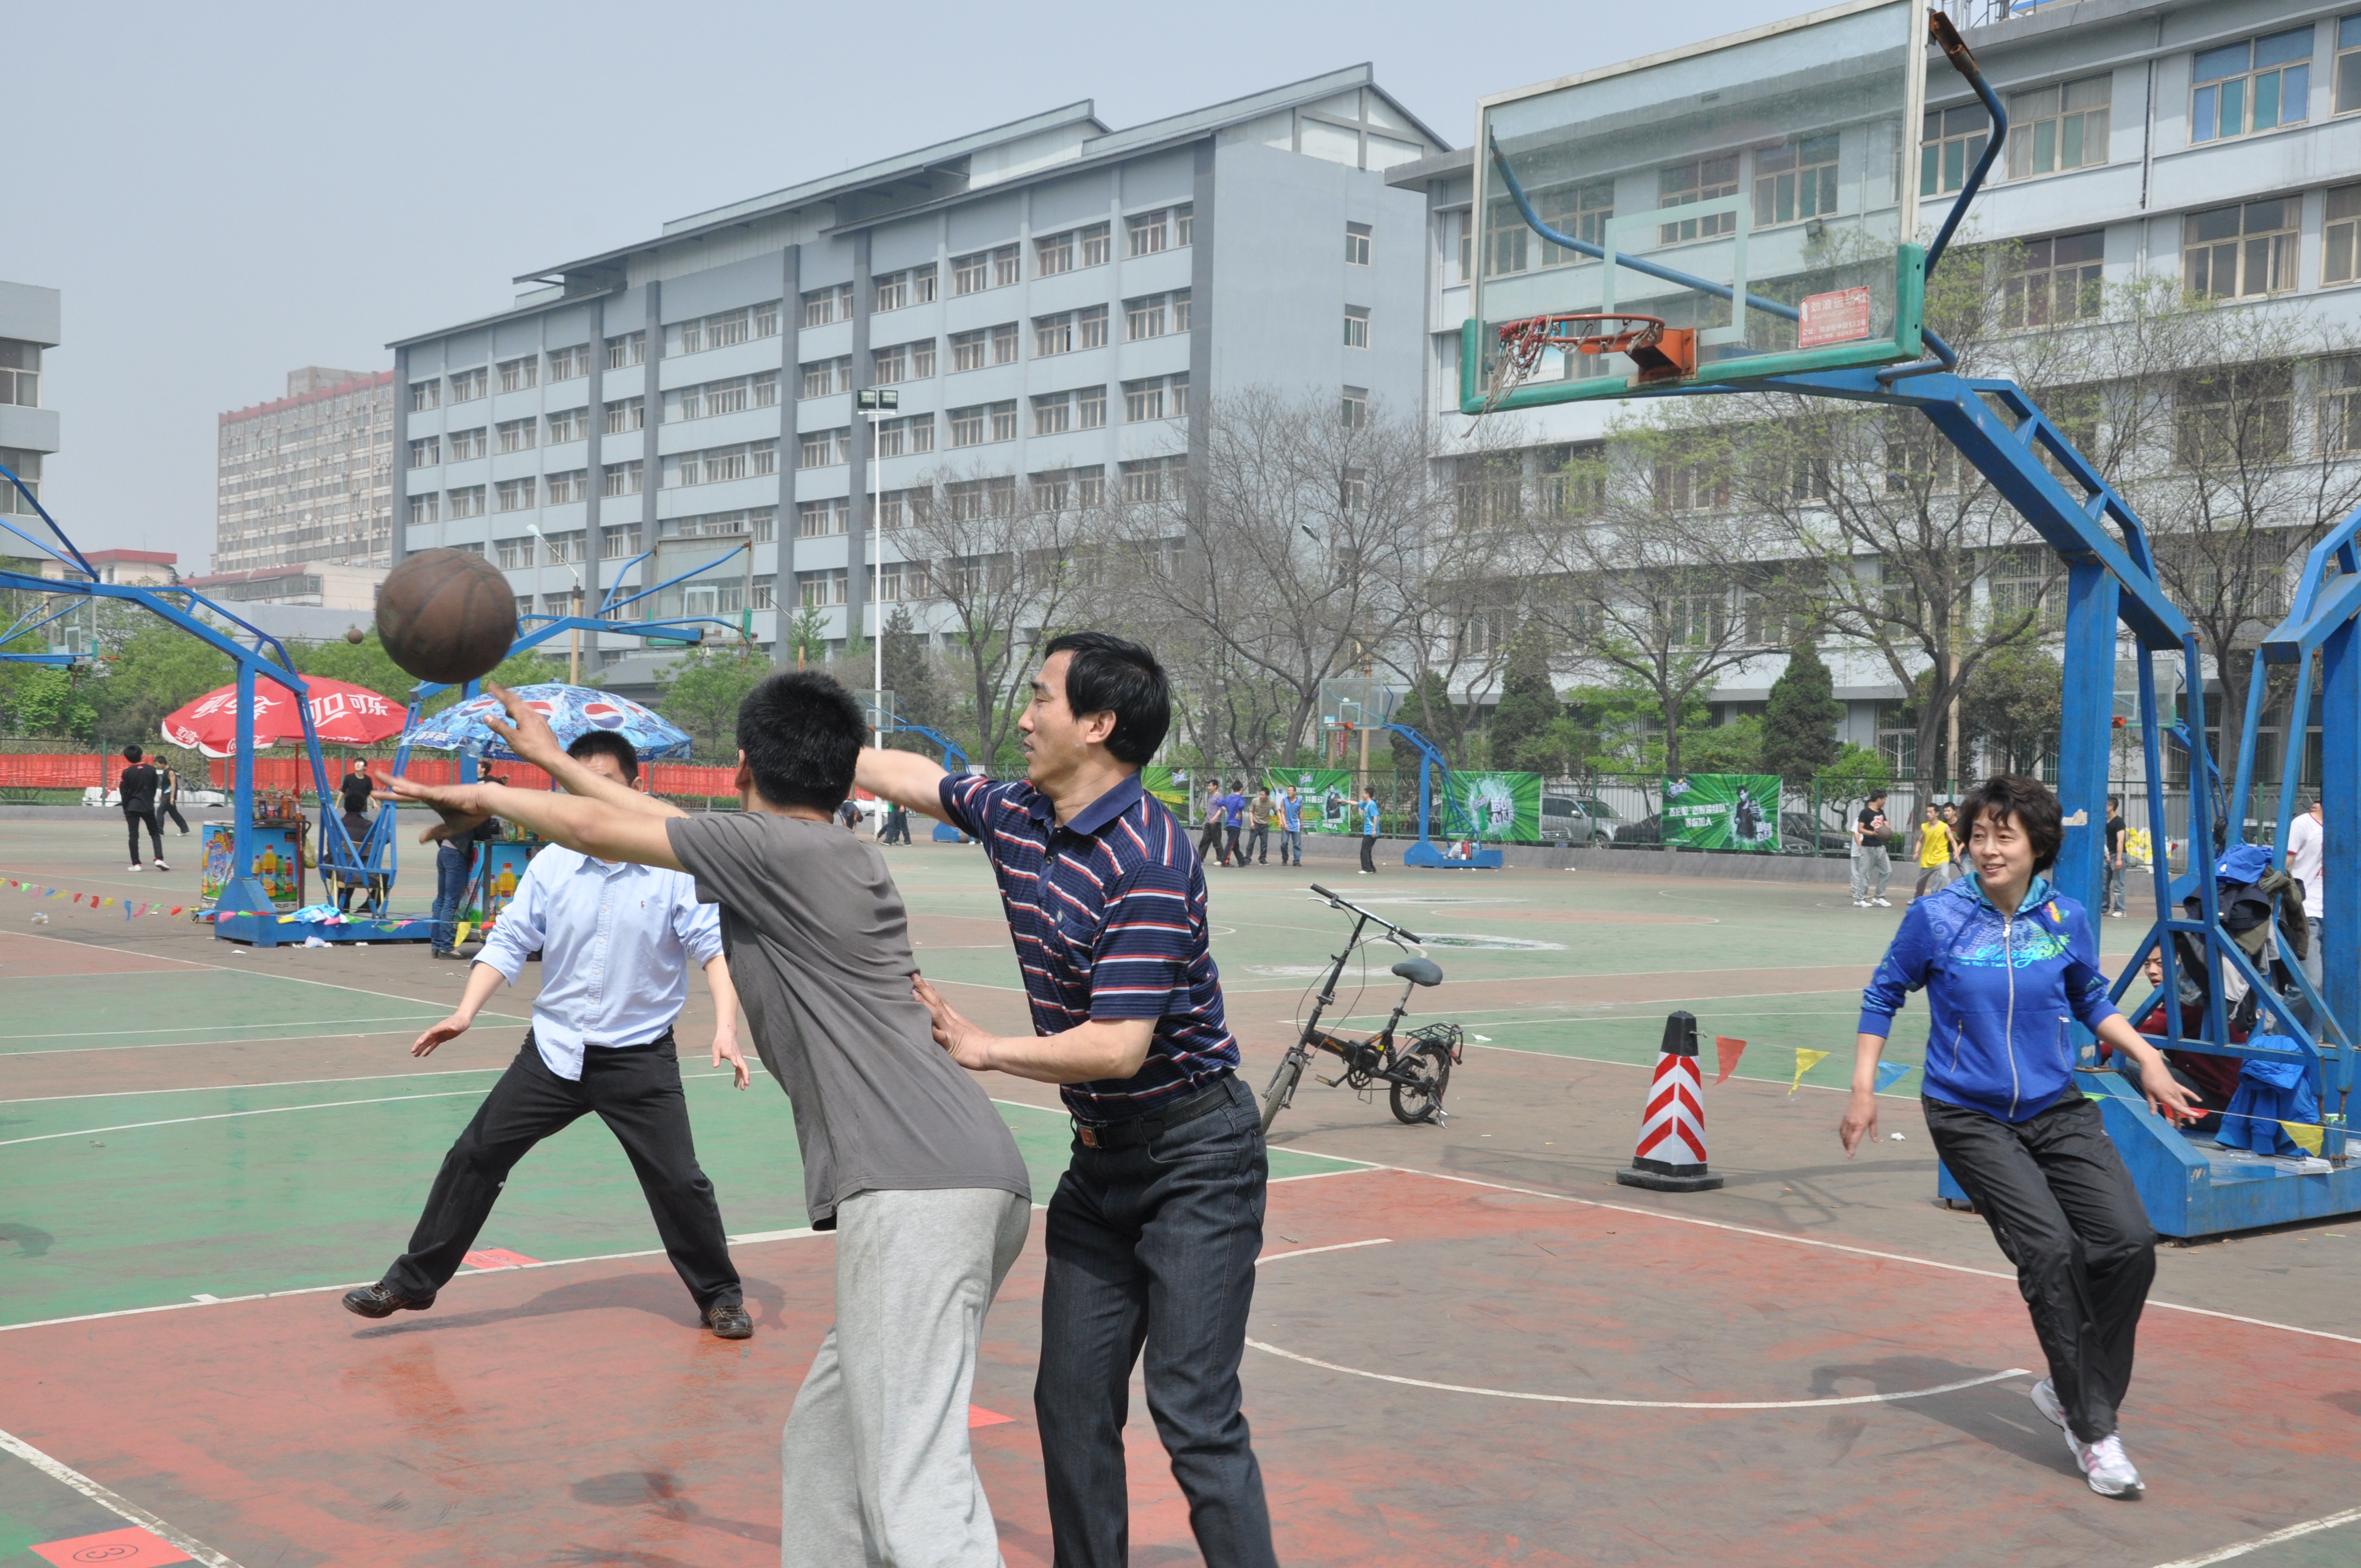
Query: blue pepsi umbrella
x,y
572,711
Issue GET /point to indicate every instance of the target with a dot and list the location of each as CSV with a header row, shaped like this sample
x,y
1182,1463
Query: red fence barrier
x,y
43,769
48,770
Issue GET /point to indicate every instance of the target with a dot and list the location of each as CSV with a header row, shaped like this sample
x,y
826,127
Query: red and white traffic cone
x,y
1670,1156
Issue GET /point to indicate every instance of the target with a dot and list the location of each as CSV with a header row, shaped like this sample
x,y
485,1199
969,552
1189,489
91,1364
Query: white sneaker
x,y
2045,1399
1860,903
2106,1466
134,865
162,867
2115,914
1882,903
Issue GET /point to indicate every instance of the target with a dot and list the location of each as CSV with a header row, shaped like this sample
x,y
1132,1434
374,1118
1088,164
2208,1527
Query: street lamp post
x,y
574,651
873,401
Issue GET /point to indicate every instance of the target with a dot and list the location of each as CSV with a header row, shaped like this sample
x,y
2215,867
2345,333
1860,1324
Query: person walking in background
x,y
136,789
454,859
168,797
1369,831
1234,822
1259,835
1291,837
1872,867
1934,838
2004,960
2111,899
1209,837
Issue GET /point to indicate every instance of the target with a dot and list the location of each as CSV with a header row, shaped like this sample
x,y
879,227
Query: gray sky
x,y
226,193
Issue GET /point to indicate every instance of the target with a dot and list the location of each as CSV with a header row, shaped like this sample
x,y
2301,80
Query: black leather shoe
x,y
727,1320
379,1301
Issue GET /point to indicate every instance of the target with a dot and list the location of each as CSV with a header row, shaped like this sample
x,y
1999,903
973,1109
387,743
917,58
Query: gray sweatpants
x,y
875,1455
1873,869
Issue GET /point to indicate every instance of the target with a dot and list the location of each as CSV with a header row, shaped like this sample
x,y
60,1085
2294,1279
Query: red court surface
x,y
1490,1377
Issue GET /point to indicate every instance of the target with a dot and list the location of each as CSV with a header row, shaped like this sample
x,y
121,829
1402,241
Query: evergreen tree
x,y
1426,707
1528,704
1799,723
910,676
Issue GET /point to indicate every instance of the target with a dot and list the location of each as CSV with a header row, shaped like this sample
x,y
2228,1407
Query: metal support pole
x,y
2340,794
241,853
2086,728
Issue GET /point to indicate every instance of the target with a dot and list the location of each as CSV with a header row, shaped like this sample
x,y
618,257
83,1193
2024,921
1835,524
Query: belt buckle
x,y
1089,1138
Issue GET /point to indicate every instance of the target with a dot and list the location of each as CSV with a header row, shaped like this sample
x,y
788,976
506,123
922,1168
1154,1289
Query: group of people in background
x,y
150,793
1238,830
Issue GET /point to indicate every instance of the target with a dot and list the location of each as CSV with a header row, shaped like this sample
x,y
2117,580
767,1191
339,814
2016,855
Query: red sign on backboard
x,y
1838,317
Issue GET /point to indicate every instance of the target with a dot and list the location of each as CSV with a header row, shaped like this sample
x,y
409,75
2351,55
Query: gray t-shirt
x,y
819,949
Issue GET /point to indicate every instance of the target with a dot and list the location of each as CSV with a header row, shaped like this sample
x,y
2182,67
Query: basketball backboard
x,y
1757,190
719,571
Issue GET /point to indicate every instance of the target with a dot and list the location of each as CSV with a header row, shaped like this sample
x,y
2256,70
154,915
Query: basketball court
x,y
1469,1345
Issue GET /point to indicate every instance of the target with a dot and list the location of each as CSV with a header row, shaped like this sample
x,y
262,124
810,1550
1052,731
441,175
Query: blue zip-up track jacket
x,y
2002,990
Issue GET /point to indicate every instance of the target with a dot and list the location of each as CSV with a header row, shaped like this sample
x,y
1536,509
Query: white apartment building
x,y
28,429
308,477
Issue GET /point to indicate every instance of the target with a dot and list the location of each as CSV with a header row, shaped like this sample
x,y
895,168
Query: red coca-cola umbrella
x,y
345,715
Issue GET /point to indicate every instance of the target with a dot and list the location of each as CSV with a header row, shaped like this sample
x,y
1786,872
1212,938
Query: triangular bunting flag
x,y
1726,1052
1890,1073
126,912
462,933
2306,1136
1805,1061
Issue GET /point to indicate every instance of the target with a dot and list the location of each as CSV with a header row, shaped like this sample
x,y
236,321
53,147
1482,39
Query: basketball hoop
x,y
1659,353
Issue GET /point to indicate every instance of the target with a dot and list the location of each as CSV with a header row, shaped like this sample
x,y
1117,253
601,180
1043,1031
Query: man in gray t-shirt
x,y
903,1155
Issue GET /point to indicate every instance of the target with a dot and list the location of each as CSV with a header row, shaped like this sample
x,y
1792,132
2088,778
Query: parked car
x,y
1648,833
1565,820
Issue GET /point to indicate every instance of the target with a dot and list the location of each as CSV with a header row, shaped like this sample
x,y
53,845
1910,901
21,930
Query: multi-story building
x,y
325,584
1050,299
2215,143
309,476
29,430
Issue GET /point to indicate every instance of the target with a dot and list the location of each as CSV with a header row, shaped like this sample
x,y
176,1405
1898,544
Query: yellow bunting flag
x,y
461,935
2306,1136
1805,1061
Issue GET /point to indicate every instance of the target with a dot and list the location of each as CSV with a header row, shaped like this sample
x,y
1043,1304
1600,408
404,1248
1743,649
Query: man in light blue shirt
x,y
1290,842
1368,832
617,942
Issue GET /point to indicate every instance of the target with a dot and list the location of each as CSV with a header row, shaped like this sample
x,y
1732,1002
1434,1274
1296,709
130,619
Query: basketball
x,y
446,615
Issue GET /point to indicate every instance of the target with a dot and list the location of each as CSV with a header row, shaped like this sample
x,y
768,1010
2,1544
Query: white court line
x,y
427,1012
226,969
112,1502
1335,1246
271,1083
2293,1532
1647,1404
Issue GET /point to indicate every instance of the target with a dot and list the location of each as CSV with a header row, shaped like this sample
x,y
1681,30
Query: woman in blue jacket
x,y
2009,965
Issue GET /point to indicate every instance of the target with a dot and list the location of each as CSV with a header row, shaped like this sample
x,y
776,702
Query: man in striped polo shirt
x,y
1155,1227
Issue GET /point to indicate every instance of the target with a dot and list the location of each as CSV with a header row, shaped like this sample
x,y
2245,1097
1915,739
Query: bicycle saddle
x,y
1420,971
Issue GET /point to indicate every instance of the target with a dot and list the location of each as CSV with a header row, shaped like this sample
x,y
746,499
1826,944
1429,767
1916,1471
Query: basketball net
x,y
1523,343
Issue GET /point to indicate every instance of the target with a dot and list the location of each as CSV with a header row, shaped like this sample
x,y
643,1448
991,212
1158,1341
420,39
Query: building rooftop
x,y
132,557
365,381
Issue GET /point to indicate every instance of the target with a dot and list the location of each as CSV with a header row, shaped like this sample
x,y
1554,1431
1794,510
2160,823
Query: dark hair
x,y
1876,794
2115,800
131,753
2029,802
802,733
607,743
1113,675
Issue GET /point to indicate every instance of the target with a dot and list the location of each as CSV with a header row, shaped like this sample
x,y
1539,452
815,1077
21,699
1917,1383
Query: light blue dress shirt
x,y
617,941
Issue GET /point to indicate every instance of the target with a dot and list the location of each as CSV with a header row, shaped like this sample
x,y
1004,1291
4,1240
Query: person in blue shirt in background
x,y
1368,832
618,941
1234,818
2009,964
1290,839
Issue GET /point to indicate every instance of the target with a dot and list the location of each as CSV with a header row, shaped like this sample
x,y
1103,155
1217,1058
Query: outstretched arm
x,y
904,778
1101,1049
528,734
597,828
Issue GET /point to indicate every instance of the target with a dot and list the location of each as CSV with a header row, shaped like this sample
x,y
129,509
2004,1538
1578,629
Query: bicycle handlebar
x,y
1335,903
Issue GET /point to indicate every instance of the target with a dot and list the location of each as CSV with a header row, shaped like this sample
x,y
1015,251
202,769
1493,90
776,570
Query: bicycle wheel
x,y
1419,1095
1282,1088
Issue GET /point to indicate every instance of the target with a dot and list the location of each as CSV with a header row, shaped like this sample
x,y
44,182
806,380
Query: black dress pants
x,y
2064,1211
1369,852
636,1091
135,819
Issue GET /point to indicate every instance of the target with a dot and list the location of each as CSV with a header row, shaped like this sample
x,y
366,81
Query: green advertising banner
x,y
1722,811
1328,799
1173,792
1502,808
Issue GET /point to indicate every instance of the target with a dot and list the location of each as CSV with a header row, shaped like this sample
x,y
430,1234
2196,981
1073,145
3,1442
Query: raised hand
x,y
526,732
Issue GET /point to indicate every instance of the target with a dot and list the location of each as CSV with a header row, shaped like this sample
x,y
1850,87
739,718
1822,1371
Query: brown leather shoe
x,y
379,1301
727,1320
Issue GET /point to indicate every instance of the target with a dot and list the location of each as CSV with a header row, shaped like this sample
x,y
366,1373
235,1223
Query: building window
x,y
622,478
518,434
1159,397
899,509
1357,326
2340,260
1692,487
1003,343
722,329
2058,128
427,452
1154,315
822,520
911,286
571,486
426,509
2236,415
626,414
822,306
630,348
826,448
967,426
1356,245
1353,490
1580,212
468,385
566,364
1165,229
467,502
619,542
818,590
2059,281
822,379
2018,583
760,523
736,394
1004,421
564,547
1355,407
1053,414
568,424
720,464
2340,404
521,375
967,350
1154,478
2235,252
1054,254
984,269
1795,181
1953,141
2251,86
2348,64
906,362
514,495
908,436
1699,179
466,445
425,395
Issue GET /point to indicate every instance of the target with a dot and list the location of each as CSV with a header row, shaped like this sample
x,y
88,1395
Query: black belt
x,y
1139,1129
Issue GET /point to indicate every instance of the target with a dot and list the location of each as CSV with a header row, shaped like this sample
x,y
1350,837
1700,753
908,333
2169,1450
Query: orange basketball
x,y
447,616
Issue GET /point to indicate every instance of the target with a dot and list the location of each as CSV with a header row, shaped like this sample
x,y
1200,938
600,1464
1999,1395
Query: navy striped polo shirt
x,y
1108,913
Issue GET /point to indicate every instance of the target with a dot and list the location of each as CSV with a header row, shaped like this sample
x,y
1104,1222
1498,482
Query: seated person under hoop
x,y
2211,1078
